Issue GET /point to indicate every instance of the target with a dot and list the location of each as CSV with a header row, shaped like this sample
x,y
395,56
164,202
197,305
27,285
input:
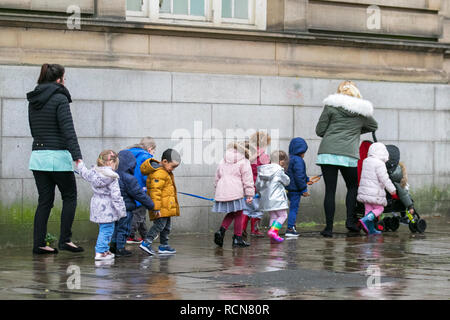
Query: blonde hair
x,y
260,139
241,146
107,155
278,155
349,88
145,143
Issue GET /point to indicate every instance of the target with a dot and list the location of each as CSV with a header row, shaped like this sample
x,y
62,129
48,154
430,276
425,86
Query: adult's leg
x,y
46,191
330,175
350,175
67,186
294,203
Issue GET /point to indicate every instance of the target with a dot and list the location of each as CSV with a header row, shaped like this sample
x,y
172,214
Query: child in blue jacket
x,y
298,186
131,192
142,151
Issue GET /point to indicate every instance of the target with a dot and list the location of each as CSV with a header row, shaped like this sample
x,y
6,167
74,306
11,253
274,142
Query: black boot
x,y
218,236
239,242
123,252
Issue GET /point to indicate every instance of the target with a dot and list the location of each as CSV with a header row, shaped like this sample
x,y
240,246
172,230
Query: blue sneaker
x,y
166,249
291,233
147,247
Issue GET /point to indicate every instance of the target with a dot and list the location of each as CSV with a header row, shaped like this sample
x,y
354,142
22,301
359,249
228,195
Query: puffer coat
x,y
234,177
374,176
270,184
107,204
161,188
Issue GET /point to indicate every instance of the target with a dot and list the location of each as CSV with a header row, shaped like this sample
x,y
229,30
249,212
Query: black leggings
x,y
46,181
330,176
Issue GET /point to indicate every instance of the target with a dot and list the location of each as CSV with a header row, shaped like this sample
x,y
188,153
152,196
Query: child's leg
x,y
123,230
104,237
228,219
294,203
377,210
158,225
281,216
238,219
164,234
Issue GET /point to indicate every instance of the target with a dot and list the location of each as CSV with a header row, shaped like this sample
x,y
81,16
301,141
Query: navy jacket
x,y
50,119
297,168
129,185
141,155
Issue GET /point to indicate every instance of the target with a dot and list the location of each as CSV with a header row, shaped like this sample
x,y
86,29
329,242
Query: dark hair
x,y
171,155
50,73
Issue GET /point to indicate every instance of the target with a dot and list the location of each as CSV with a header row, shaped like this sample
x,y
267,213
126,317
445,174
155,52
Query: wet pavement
x,y
411,266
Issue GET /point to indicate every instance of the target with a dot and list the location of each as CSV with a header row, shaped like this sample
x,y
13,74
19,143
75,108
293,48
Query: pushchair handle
x,y
374,137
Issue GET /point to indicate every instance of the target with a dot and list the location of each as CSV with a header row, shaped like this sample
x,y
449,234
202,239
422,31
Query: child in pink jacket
x,y
374,179
234,180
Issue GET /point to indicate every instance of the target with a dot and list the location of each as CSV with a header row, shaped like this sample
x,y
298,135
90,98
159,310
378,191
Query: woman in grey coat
x,y
344,118
271,185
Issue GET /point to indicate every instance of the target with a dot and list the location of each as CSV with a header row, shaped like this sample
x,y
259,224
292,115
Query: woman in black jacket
x,y
55,146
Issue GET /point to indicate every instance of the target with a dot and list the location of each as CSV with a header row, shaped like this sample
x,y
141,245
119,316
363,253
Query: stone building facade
x,y
160,68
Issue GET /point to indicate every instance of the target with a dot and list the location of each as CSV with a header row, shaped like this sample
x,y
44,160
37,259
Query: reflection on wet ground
x,y
411,266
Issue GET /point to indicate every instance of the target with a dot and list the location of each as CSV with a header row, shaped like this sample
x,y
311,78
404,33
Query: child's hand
x,y
394,193
306,194
249,200
157,214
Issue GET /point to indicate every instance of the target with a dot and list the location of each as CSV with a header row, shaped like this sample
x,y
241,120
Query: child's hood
x,y
378,150
267,171
127,162
155,165
297,146
394,157
106,172
233,156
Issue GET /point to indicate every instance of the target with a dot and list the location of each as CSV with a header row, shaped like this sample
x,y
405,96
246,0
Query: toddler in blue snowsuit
x,y
298,186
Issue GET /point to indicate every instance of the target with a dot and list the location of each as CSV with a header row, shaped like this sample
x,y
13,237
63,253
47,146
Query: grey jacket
x,y
270,184
399,174
107,204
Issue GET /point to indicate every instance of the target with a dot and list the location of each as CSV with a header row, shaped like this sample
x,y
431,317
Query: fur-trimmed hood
x,y
349,103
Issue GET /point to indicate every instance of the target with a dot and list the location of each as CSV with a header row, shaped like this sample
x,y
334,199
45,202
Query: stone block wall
x,y
115,108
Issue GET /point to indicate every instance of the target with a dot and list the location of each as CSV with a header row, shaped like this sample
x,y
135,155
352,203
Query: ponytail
x,y
50,73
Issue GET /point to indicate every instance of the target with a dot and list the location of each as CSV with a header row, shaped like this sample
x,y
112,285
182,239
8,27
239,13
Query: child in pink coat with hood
x,y
374,181
234,180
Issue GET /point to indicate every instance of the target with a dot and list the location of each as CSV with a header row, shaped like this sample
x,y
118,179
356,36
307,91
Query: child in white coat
x,y
374,181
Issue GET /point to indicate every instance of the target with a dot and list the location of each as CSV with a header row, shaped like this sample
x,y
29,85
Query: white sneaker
x,y
104,256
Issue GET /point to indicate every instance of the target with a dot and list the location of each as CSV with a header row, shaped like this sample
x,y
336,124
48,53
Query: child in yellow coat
x,y
163,191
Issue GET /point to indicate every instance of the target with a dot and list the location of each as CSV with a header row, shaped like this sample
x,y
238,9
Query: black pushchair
x,y
395,212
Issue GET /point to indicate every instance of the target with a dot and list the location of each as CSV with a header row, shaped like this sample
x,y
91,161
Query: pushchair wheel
x,y
421,225
387,223
394,223
412,227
